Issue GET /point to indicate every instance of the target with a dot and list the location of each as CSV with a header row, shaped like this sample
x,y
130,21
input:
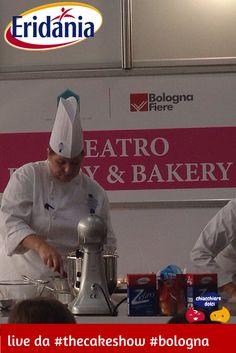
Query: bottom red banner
x,y
145,338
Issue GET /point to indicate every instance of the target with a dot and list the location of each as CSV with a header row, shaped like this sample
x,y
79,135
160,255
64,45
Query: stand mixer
x,y
93,297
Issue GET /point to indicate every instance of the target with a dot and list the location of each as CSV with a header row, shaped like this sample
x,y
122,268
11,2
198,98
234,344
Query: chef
x,y
44,201
215,249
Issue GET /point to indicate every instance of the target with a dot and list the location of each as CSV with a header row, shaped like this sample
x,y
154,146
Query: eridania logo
x,y
147,102
53,26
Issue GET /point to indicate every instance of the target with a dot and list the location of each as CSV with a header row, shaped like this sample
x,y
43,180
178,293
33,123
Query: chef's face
x,y
64,169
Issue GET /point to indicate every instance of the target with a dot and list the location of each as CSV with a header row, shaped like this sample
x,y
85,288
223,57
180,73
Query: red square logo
x,y
138,102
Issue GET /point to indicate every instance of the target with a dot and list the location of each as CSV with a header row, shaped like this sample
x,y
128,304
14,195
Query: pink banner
x,y
139,159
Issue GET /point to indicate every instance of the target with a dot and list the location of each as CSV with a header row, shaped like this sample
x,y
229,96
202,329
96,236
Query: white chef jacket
x,y
36,203
215,249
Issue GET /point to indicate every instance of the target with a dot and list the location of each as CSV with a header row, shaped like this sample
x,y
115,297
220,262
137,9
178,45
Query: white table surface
x,y
121,318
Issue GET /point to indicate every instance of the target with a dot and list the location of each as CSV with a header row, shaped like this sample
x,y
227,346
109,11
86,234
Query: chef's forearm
x,y
48,254
229,288
32,242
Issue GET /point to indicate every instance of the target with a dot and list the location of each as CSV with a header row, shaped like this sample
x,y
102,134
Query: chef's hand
x,y
229,289
50,257
47,253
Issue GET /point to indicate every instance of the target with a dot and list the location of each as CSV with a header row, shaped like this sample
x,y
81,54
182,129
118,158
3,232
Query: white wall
x,y
182,29
150,239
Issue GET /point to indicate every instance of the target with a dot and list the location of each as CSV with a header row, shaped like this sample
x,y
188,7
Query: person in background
x,y
215,250
44,201
40,310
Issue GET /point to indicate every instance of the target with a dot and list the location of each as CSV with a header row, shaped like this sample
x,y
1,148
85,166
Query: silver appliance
x,y
93,296
74,264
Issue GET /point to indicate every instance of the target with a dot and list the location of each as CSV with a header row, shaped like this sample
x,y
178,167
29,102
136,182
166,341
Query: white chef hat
x,y
67,136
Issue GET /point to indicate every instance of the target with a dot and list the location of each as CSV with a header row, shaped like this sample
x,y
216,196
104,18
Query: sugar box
x,y
142,294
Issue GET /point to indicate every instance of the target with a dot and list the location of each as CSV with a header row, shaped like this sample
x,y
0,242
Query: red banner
x,y
143,338
139,159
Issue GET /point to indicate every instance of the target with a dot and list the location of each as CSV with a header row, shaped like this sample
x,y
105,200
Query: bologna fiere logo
x,y
139,102
53,26
147,102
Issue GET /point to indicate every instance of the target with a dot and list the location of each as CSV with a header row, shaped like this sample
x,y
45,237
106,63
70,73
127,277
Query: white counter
x,y
121,318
